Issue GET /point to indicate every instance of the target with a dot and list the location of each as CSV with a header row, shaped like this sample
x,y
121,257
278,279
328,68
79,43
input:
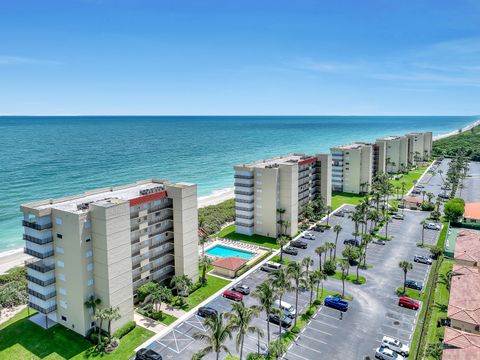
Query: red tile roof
x,y
472,211
230,263
412,200
467,246
460,345
464,304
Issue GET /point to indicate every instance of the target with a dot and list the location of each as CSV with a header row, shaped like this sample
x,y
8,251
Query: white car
x,y
396,345
383,353
432,226
308,235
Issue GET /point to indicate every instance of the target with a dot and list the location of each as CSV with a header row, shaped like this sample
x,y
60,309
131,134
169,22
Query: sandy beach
x,y
16,257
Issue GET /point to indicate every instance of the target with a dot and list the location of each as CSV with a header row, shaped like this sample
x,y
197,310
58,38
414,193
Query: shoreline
x,y
16,257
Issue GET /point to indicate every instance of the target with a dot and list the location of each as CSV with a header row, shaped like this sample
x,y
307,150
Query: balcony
x,y
244,185
244,201
38,254
242,192
36,240
39,266
160,219
163,266
34,225
243,208
163,242
40,282
238,223
42,296
41,309
248,217
246,177
163,253
161,231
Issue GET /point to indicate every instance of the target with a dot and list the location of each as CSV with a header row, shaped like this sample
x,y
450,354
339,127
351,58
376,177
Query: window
x,y
259,206
89,253
259,182
88,238
157,213
64,318
62,291
59,250
63,304
259,198
60,264
88,224
58,221
90,282
90,267
259,190
60,236
157,202
258,174
61,276
259,222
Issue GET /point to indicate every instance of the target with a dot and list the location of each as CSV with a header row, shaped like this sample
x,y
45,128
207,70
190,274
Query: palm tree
x,y
92,303
112,314
282,241
321,277
277,348
356,217
313,279
159,295
405,266
240,319
307,262
295,271
344,266
430,196
319,251
435,350
423,222
100,315
217,332
328,210
265,295
204,263
182,284
367,239
337,229
386,218
281,284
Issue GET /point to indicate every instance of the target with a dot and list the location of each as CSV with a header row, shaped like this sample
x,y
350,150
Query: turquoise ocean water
x,y
44,157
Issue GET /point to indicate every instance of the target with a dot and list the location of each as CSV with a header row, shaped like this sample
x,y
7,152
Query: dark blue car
x,y
336,303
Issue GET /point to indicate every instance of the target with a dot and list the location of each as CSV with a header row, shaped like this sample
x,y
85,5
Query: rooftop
x,y
391,137
287,159
229,263
472,211
460,345
464,304
354,145
78,203
467,246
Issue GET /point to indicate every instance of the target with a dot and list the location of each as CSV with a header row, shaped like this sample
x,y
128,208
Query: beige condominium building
x,y
396,153
419,146
353,167
284,183
106,243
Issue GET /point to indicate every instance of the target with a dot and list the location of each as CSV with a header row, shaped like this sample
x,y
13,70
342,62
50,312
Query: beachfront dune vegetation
x,y
212,218
13,288
468,141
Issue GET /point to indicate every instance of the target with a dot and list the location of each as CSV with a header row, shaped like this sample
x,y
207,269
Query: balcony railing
x,y
41,309
136,266
243,209
40,282
36,240
241,192
136,278
160,219
248,217
159,232
163,266
163,253
244,201
42,296
136,253
39,266
243,185
163,242
34,225
243,224
246,177
38,254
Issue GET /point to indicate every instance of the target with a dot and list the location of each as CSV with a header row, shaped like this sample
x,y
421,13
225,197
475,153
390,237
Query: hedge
x,y
125,329
248,267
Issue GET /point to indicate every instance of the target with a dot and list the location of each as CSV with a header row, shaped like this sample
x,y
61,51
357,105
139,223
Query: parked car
x,y
308,235
299,244
351,242
339,214
270,266
205,311
416,191
286,321
336,303
444,195
408,303
420,186
379,242
319,228
384,353
233,295
412,284
290,250
422,259
396,345
242,289
147,354
287,308
398,216
431,226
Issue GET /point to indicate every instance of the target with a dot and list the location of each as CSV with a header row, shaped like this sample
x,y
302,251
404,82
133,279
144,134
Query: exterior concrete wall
x,y
325,161
366,158
266,187
463,326
288,197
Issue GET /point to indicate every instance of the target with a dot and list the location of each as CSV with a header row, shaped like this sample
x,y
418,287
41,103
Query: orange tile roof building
x,y
459,345
472,212
467,247
228,266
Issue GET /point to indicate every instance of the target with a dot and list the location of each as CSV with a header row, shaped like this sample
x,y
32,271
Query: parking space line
x,y
328,316
320,331
313,339
309,348
296,355
398,329
324,323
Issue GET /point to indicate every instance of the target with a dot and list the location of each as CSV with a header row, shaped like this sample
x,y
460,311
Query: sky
x,y
240,57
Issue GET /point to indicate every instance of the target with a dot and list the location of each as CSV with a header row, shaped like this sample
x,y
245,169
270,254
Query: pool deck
x,y
237,245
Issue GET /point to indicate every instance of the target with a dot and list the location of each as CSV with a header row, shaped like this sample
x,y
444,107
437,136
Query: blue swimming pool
x,y
226,251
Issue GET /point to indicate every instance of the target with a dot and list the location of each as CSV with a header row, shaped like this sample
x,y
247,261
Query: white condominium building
x,y
106,243
419,146
279,188
353,167
396,153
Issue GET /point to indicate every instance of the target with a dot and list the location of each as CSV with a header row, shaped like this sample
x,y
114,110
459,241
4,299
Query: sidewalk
x,y
148,324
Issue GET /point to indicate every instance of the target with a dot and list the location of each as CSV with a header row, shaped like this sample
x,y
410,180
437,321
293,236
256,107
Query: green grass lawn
x,y
351,278
229,233
213,285
24,340
410,178
339,198
411,293
167,319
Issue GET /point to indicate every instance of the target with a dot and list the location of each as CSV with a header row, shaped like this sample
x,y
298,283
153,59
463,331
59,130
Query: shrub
x,y
196,286
253,356
145,290
212,217
317,302
12,294
125,329
427,206
454,209
295,330
330,267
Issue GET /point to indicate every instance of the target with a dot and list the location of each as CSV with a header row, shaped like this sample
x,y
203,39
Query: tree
x,y
277,348
423,222
159,295
387,220
321,277
356,217
265,295
217,332
307,262
319,251
454,209
366,240
295,271
313,279
182,284
352,254
328,210
99,316
337,229
204,263
240,320
436,251
405,266
344,266
435,350
281,284
282,241
112,314
92,303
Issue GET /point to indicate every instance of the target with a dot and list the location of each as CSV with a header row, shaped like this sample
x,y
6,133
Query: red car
x,y
233,295
408,303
